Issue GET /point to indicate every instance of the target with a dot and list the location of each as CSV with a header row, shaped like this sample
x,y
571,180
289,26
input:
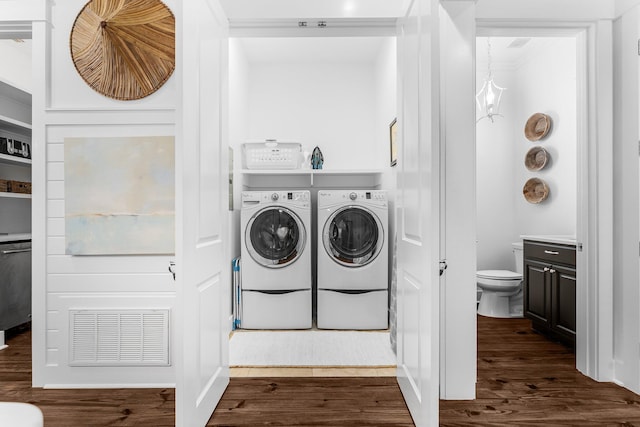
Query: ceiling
x,y
311,49
324,9
508,52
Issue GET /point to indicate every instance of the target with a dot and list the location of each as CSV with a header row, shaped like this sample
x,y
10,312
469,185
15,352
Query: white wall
x,y
496,186
17,61
329,105
67,107
385,69
238,130
544,82
386,110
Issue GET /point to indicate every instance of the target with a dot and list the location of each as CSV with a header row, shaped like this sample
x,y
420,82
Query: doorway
x,y
15,186
337,94
535,74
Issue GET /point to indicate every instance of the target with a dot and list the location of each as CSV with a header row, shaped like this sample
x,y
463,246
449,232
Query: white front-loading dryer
x,y
276,259
352,259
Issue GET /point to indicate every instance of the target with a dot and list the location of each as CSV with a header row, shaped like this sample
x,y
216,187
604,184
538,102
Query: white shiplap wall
x,y
72,109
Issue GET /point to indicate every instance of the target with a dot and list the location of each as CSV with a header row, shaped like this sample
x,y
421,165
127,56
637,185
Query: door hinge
x,y
638,47
443,266
172,269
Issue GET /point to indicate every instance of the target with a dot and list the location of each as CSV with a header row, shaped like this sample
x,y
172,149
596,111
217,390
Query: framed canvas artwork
x,y
119,195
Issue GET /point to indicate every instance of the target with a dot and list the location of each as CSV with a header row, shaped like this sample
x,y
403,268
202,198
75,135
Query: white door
x,y
418,212
202,267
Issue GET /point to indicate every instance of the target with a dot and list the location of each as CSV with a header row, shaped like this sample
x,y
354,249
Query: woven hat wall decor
x,y
124,49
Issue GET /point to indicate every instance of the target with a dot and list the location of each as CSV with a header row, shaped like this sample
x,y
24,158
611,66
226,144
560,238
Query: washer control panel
x,y
299,197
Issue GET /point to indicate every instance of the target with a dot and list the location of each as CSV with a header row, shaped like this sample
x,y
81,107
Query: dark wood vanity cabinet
x,y
550,289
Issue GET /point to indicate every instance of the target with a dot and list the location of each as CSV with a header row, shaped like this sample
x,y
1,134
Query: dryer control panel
x,y
378,195
368,197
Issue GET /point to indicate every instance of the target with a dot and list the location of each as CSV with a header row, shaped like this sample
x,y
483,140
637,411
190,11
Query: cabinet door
x,y
536,292
563,307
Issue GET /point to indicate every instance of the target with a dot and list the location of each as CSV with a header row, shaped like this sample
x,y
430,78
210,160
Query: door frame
x,y
458,343
594,230
28,19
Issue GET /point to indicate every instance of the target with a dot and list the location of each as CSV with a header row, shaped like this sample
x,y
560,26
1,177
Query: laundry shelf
x,y
13,125
15,195
305,178
14,160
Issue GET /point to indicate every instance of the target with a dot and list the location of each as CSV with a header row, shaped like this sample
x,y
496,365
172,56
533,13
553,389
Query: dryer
x,y
352,259
276,259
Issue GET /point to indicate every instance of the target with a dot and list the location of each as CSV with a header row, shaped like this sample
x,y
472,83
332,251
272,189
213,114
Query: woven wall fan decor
x,y
124,49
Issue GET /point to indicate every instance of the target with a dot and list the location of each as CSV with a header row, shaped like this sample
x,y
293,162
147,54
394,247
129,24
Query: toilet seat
x,y
498,275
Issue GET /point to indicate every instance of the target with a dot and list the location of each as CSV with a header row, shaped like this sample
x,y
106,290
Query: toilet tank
x,y
518,254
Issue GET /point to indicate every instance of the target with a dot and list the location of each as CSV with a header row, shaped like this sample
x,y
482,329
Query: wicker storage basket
x,y
19,187
4,185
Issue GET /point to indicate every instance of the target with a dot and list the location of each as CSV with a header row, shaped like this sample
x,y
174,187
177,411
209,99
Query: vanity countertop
x,y
14,237
550,238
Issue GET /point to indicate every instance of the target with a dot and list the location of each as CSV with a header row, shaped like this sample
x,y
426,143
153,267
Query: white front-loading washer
x,y
276,259
352,259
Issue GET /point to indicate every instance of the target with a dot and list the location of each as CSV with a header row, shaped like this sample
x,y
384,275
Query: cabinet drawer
x,y
554,254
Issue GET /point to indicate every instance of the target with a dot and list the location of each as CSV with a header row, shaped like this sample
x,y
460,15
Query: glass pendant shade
x,y
490,95
488,99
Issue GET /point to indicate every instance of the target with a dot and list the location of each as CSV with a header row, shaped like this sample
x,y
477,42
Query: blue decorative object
x,y
316,159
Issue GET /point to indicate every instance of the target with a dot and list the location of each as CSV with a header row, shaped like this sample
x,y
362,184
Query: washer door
x,y
353,236
275,237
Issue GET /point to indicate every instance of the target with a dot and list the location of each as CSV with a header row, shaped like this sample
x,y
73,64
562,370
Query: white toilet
x,y
502,289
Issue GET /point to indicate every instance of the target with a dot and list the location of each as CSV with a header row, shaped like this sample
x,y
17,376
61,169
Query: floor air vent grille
x,y
119,338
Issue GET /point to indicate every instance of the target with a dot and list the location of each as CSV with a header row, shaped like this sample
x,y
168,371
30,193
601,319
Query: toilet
x,y
502,289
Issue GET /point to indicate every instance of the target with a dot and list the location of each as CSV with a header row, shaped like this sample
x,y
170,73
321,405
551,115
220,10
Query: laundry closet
x,y
337,94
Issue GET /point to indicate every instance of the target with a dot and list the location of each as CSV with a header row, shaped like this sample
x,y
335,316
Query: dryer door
x,y
353,236
275,237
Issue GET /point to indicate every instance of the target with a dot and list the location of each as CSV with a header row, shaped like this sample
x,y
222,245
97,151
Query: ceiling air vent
x,y
119,337
519,42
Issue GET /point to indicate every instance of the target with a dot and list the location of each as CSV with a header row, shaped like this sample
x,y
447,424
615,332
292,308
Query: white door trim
x,y
458,361
594,297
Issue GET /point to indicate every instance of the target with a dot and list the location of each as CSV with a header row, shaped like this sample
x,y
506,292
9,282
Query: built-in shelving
x,y
14,195
15,123
13,160
15,109
15,126
321,178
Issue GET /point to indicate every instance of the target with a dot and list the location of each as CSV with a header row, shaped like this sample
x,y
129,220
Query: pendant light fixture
x,y
490,95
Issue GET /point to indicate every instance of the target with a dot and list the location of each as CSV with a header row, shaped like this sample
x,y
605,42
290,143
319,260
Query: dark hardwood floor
x,y
80,408
526,380
312,401
523,380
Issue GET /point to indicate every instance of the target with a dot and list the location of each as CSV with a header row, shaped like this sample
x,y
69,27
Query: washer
x,y
353,284
276,259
